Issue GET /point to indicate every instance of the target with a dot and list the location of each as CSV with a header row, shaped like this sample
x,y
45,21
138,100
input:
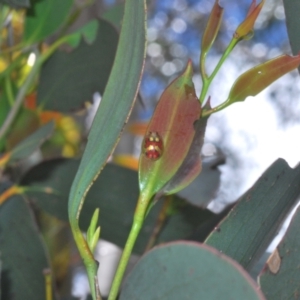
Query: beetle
x,y
153,146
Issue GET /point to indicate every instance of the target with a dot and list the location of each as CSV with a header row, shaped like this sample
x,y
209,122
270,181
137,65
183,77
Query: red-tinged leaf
x,y
252,7
258,78
192,165
212,27
172,125
247,25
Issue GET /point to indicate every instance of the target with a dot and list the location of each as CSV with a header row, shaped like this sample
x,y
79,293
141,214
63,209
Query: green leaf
x,y
293,23
116,103
251,225
280,280
46,18
68,80
258,78
112,114
88,32
22,252
173,124
188,271
93,232
117,204
32,142
114,15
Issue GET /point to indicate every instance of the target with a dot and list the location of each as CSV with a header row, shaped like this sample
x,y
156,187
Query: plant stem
x,y
9,90
135,229
54,46
202,66
11,66
207,80
205,86
88,260
228,50
19,99
138,221
161,218
206,113
48,284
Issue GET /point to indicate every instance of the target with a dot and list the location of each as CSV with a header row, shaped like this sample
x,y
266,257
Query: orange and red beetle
x,y
153,146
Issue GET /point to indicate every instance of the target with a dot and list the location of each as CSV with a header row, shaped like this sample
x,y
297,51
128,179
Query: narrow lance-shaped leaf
x,y
116,105
247,25
258,78
212,27
169,134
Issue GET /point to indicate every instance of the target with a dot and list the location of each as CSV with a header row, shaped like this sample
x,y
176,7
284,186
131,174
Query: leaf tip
x,y
189,68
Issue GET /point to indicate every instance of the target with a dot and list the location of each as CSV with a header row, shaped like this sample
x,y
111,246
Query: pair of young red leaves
x,y
174,138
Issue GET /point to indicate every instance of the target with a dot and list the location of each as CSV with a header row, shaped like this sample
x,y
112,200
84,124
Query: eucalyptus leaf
x,y
185,270
68,80
252,224
280,278
116,104
291,9
22,252
168,157
114,15
87,31
45,18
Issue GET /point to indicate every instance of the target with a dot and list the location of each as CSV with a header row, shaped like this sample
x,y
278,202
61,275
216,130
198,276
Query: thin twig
x,y
19,99
159,223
